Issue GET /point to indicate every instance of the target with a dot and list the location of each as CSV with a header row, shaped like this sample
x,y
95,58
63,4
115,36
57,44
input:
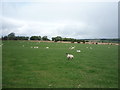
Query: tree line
x,y
59,38
12,36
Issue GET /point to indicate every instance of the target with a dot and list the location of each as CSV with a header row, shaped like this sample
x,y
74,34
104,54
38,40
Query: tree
x,y
45,38
64,39
53,38
58,38
78,41
21,38
5,38
72,40
35,38
11,36
83,41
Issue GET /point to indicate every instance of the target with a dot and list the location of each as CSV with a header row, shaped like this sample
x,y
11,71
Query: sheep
x,y
36,47
78,51
50,85
72,47
47,47
1,45
90,47
69,56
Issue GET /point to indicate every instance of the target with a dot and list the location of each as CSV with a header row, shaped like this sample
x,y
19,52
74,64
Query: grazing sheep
x,y
69,56
36,47
1,45
50,85
47,47
90,47
79,86
72,47
78,50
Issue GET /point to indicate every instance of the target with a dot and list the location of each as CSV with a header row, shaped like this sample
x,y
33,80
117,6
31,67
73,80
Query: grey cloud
x,y
9,25
99,19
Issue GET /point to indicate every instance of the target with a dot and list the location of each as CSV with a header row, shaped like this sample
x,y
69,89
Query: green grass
x,y
25,67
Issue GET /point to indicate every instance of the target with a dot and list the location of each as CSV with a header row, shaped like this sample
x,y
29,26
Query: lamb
x,y
47,47
72,47
1,45
36,47
69,56
90,47
78,50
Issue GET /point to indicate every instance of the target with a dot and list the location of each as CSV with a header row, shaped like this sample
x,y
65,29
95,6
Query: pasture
x,y
28,67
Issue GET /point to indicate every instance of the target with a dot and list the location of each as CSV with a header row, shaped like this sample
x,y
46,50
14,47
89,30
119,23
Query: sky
x,y
65,18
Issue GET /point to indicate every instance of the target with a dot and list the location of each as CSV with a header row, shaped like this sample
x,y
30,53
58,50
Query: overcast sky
x,y
67,19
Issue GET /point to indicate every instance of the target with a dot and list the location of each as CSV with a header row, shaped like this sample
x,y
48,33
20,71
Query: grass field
x,y
26,67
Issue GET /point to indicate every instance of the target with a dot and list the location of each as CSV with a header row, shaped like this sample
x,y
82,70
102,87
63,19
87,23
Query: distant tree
x,y
58,38
44,38
83,41
78,41
26,38
4,37
72,40
53,38
87,41
64,39
21,38
11,36
35,38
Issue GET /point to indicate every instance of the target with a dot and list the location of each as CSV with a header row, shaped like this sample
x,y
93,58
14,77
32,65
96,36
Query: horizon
x,y
63,37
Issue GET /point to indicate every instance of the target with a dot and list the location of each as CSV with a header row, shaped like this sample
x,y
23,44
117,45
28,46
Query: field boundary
x,y
78,43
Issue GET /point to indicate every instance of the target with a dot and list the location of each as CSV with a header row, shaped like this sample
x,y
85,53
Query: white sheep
x,y
1,45
72,47
36,47
47,47
69,56
78,51
90,47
